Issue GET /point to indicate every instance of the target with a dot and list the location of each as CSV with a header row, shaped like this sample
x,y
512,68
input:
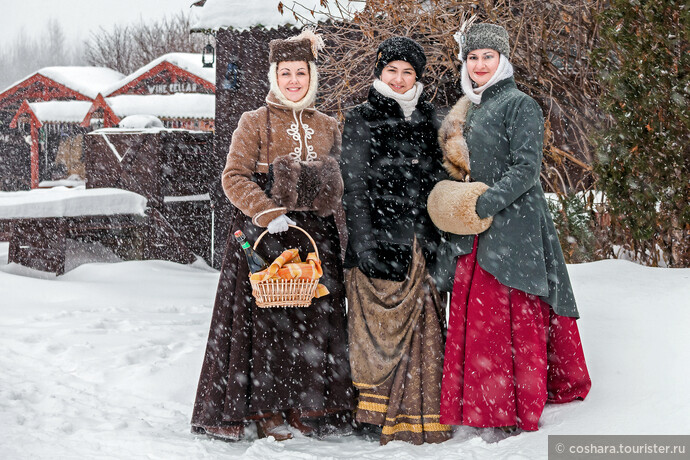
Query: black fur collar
x,y
387,107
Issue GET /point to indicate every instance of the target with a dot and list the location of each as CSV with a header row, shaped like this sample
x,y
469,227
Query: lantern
x,y
208,57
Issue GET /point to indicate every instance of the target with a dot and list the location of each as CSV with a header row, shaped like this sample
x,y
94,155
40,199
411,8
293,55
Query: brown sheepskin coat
x,y
263,360
306,135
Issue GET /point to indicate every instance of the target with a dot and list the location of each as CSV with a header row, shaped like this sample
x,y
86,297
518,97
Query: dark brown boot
x,y
295,421
225,433
273,425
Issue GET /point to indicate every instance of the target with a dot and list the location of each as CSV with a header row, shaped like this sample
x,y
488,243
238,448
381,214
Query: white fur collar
x,y
306,102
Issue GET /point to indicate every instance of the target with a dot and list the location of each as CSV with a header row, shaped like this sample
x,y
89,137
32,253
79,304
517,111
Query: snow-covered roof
x,y
60,111
88,81
191,62
180,105
70,202
241,15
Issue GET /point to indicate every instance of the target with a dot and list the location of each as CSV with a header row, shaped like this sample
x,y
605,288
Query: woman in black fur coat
x,y
390,161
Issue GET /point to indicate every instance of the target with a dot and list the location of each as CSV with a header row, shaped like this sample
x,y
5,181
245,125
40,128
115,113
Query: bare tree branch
x,y
550,42
127,48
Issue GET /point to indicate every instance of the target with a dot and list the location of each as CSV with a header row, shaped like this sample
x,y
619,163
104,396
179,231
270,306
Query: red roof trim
x,y
165,65
109,117
38,78
25,109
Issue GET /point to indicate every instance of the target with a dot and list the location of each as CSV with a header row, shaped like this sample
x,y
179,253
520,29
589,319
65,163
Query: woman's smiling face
x,y
293,79
482,65
400,76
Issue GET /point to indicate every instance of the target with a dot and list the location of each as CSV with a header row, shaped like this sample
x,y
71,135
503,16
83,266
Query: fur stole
x,y
307,185
456,155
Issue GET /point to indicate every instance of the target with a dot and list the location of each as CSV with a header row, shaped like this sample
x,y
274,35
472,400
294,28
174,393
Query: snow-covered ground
x,y
102,363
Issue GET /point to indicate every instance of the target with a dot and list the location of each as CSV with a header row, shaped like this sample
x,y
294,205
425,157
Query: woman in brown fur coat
x,y
270,365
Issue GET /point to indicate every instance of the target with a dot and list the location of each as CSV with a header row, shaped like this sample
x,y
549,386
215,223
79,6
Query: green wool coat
x,y
504,135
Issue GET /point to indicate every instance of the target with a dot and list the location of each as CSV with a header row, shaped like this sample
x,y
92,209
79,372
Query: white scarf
x,y
407,100
504,70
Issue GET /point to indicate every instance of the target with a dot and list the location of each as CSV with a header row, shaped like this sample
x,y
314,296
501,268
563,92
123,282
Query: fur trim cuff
x,y
452,207
262,218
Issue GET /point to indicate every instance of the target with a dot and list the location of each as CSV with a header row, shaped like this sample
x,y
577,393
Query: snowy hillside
x,y
103,362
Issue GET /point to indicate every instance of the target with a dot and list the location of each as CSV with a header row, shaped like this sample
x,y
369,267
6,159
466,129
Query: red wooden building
x,y
48,121
58,84
169,74
55,120
176,88
34,127
21,142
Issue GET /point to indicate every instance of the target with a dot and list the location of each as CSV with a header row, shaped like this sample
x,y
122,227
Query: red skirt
x,y
507,354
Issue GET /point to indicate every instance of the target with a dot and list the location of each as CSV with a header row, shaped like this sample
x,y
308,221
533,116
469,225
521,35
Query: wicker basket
x,y
281,292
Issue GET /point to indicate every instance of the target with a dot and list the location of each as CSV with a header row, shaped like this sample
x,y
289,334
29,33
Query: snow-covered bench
x,y
42,219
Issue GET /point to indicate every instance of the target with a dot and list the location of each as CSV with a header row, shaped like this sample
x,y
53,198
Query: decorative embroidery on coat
x,y
293,131
311,154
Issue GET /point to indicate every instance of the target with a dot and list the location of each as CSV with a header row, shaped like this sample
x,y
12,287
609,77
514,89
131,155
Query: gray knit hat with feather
x,y
484,35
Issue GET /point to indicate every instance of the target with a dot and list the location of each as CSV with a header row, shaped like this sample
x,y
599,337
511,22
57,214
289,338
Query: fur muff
x,y
307,185
452,207
286,173
330,194
456,155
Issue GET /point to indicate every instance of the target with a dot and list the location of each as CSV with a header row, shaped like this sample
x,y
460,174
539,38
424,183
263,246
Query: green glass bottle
x,y
255,262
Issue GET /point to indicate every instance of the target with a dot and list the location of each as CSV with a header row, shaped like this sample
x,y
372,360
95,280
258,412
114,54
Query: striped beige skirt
x,y
396,334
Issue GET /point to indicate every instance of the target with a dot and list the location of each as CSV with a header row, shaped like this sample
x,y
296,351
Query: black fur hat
x,y
400,49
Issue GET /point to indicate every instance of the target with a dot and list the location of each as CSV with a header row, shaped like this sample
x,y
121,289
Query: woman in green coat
x,y
512,343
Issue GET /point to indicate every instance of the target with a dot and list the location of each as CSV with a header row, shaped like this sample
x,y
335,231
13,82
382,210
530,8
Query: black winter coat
x,y
389,167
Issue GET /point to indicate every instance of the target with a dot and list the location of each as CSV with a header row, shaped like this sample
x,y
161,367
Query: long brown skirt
x,y
261,360
396,354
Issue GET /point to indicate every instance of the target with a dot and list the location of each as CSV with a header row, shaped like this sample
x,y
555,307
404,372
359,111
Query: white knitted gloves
x,y
280,224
